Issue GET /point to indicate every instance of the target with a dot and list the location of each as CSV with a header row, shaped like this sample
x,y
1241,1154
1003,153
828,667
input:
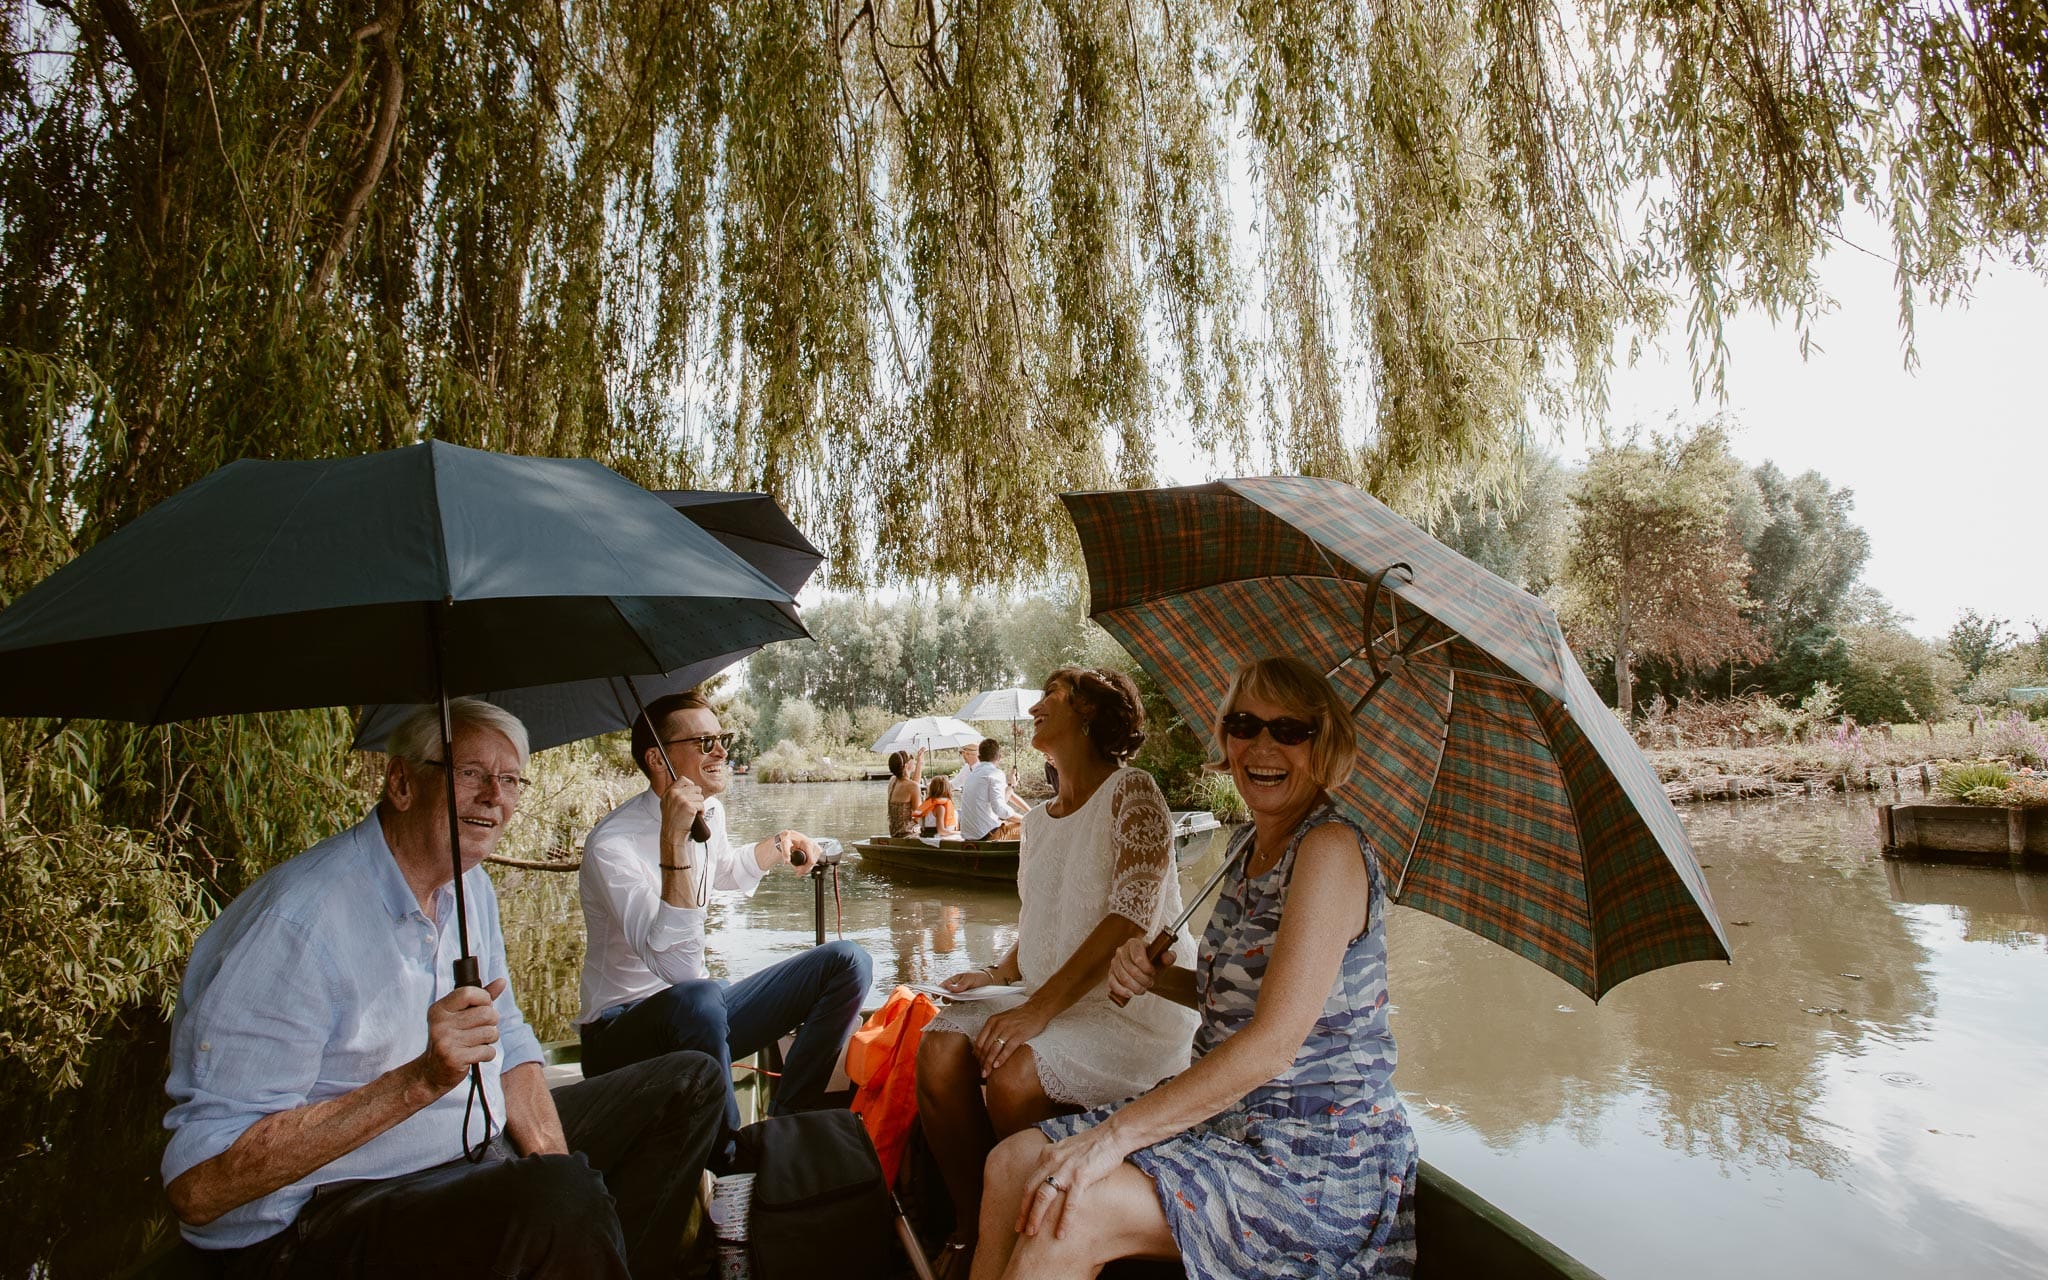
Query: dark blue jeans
x,y
816,994
616,1207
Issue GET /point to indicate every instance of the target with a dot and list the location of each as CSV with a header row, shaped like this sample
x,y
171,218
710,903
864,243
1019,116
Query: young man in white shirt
x,y
989,809
644,885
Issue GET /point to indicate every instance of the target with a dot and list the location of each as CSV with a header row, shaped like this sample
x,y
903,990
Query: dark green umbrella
x,y
750,525
408,576
1499,791
393,577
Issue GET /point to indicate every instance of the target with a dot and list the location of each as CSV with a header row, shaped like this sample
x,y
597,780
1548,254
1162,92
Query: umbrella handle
x,y
1155,953
700,830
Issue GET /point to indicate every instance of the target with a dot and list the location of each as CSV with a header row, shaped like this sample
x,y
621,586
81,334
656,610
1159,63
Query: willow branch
x,y
133,42
373,164
219,136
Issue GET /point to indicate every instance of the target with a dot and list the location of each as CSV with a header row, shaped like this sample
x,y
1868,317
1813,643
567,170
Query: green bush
x,y
1217,792
1968,782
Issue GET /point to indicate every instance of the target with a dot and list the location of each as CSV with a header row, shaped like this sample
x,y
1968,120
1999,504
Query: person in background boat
x,y
906,772
1096,869
644,885
989,807
1283,1150
936,813
320,1064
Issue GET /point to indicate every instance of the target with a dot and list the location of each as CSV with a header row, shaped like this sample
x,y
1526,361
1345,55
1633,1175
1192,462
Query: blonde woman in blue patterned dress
x,y
1283,1149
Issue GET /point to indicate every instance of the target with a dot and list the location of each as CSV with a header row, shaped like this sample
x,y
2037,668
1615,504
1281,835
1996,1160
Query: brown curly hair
x,y
1108,704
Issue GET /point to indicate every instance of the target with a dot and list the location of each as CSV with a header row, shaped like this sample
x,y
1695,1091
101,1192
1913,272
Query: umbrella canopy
x,y
936,732
1000,704
754,527
391,577
751,526
1500,792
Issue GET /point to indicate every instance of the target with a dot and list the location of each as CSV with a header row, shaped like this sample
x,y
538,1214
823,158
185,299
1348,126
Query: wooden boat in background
x,y
961,859
997,859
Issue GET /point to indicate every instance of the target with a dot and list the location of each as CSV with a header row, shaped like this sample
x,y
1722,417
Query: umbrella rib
x,y
1443,744
1483,675
1578,828
638,639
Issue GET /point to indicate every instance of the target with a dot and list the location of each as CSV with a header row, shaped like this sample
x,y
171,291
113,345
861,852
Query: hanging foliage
x,y
914,267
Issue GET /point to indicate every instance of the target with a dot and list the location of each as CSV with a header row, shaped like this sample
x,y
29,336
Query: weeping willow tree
x,y
909,264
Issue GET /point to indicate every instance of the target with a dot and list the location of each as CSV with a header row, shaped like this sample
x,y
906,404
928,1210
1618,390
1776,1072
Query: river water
x,y
1863,1092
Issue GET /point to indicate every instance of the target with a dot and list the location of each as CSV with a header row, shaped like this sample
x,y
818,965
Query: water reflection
x,y
1827,1078
1992,904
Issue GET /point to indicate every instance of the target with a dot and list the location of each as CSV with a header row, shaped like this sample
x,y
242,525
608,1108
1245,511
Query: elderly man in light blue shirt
x,y
320,1051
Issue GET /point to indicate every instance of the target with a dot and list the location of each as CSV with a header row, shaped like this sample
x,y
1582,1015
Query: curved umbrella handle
x,y
1155,953
1398,659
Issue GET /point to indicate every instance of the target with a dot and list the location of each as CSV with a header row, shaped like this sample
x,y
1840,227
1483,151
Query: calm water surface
x,y
1886,1116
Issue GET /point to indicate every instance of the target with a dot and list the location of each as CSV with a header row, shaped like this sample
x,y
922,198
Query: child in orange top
x,y
936,813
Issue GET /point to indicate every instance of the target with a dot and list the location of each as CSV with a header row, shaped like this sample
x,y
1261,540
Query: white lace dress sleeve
x,y
1141,850
1112,856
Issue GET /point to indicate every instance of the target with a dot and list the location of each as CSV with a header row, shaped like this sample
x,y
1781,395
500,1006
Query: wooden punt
x,y
1460,1235
960,859
997,859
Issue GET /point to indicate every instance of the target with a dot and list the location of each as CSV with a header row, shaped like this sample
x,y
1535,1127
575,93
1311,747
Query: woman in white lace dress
x,y
1096,869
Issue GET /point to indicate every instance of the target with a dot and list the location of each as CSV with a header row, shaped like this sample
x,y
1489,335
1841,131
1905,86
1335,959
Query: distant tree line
x,y
1679,572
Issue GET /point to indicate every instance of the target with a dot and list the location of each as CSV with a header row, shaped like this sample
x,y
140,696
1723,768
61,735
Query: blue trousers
x,y
817,994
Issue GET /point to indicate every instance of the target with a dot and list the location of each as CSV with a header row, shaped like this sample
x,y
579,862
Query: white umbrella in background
x,y
1013,705
936,732
1000,704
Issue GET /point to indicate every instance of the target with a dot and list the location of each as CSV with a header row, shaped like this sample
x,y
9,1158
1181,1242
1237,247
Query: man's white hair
x,y
417,739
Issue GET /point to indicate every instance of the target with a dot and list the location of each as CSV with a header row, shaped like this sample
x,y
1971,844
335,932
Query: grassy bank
x,y
1865,757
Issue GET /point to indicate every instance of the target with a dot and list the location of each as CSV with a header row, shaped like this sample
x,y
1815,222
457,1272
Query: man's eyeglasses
x,y
471,777
1288,731
705,742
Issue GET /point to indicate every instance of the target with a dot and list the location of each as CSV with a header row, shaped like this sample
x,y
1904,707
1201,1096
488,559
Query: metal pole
x,y
467,973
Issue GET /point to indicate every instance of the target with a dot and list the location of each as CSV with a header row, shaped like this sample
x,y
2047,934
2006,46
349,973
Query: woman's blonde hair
x,y
1303,691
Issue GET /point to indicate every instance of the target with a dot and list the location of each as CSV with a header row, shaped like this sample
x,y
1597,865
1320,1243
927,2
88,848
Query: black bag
x,y
820,1206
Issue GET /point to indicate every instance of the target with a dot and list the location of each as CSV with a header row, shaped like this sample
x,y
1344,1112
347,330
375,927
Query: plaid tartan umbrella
x,y
1499,791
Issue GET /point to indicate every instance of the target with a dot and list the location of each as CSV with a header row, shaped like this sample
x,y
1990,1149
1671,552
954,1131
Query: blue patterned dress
x,y
1311,1173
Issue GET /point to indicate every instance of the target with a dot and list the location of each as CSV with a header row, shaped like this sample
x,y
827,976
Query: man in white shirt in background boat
x,y
644,885
320,1061
989,808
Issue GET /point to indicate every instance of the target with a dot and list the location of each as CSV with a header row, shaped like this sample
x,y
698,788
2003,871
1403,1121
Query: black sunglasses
x,y
704,742
1288,731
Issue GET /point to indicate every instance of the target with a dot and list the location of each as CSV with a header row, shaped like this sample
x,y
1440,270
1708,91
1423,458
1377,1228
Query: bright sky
x,y
1948,463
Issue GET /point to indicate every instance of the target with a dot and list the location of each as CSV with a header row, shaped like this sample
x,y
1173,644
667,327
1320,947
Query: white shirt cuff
x,y
673,924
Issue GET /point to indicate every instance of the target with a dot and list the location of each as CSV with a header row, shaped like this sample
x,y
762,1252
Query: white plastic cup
x,y
731,1197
